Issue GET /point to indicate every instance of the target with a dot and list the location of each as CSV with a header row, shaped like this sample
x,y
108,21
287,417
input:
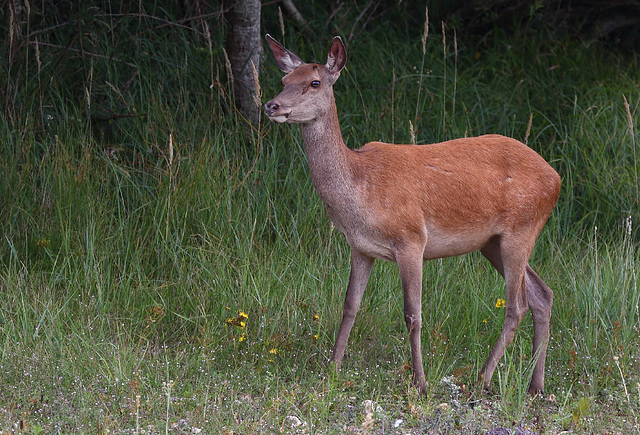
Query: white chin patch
x,y
279,118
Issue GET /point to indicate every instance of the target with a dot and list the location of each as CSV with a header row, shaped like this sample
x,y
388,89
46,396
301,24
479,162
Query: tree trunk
x,y
244,48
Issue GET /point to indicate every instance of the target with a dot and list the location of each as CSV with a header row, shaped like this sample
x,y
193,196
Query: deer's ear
x,y
286,60
337,58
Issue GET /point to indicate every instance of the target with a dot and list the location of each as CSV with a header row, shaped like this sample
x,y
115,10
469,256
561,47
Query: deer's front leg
x,y
360,271
410,265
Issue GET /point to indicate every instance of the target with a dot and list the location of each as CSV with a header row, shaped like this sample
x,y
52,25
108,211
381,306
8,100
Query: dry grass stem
x,y
393,93
170,152
412,133
528,132
38,61
455,70
281,20
444,76
257,95
425,32
629,118
227,64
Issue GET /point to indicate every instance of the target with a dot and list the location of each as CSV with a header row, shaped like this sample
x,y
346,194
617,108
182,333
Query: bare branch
x,y
293,13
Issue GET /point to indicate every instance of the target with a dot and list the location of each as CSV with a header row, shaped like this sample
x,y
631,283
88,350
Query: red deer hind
x,y
409,203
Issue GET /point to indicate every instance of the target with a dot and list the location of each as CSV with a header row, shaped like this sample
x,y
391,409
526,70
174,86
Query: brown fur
x,y
409,203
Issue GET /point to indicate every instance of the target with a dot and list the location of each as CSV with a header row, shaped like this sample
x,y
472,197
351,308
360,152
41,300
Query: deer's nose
x,y
271,107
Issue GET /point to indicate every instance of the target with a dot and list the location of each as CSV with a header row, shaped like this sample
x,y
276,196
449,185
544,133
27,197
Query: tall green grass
x,y
132,244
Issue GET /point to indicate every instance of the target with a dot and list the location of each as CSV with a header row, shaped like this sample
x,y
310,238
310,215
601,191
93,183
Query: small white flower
x,y
295,421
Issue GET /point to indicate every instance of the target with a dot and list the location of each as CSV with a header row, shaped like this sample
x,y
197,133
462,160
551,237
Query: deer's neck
x,y
329,159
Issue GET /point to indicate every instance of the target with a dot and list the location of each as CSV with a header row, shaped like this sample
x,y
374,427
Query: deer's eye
x,y
315,83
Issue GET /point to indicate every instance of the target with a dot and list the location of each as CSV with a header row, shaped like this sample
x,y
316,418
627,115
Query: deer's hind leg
x,y
410,266
510,260
540,300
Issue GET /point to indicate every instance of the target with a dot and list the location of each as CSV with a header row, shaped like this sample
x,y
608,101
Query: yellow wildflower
x,y
43,243
239,320
273,351
501,303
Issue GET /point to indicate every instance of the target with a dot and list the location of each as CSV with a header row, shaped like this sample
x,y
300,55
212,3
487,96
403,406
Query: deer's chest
x,y
361,234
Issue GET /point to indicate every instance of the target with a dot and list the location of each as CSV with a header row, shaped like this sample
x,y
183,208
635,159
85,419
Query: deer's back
x,y
483,186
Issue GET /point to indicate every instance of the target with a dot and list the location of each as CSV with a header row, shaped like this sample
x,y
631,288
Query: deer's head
x,y
308,87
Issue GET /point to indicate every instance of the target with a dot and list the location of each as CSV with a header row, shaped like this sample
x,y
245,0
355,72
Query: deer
x,y
411,203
